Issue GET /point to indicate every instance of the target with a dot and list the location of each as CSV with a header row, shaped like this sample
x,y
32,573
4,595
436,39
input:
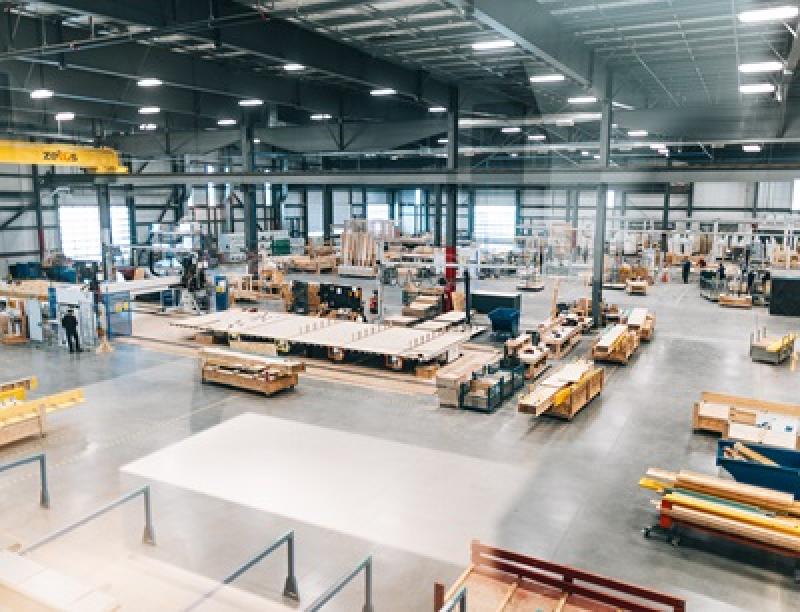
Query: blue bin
x,y
783,477
505,321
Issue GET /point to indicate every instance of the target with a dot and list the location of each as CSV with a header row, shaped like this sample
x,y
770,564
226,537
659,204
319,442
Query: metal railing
x,y
460,599
366,567
44,496
290,589
149,536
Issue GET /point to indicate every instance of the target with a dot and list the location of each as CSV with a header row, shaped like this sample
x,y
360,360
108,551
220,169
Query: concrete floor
x,y
568,491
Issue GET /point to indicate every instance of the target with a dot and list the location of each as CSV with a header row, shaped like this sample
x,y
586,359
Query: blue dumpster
x,y
782,477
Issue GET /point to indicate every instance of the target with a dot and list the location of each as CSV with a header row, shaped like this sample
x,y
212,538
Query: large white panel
x,y
720,195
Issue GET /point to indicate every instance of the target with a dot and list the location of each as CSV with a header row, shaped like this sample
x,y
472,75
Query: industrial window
x,y
80,232
495,219
315,213
796,196
120,227
377,211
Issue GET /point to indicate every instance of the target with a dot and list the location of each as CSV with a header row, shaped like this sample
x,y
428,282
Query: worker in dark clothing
x,y
687,267
721,271
751,281
70,325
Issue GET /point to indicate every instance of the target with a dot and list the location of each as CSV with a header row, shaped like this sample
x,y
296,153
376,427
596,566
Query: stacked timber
x,y
636,287
748,419
267,375
361,240
617,344
752,515
643,322
423,307
21,417
730,300
533,357
564,392
451,378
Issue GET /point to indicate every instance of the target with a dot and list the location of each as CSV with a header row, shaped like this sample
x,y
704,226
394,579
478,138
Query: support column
x,y
437,216
754,195
304,208
277,197
104,208
130,204
600,211
327,212
665,219
37,204
249,201
471,213
452,190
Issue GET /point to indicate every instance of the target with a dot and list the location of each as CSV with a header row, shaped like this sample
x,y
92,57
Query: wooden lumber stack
x,y
636,287
534,358
450,378
729,300
559,339
499,580
22,419
313,263
267,375
752,515
565,392
423,307
643,322
748,419
616,345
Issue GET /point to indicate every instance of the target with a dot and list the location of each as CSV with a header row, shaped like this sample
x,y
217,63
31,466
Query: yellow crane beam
x,y
95,159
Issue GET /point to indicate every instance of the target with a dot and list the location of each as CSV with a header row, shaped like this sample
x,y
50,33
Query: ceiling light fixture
x,y
751,148
149,82
320,117
437,109
293,67
547,78
148,127
511,130
627,107
565,122
638,133
443,141
226,122
777,13
65,116
383,91
513,155
756,67
658,146
538,137
251,102
585,153
756,88
663,151
582,100
149,110
41,94
489,45
256,141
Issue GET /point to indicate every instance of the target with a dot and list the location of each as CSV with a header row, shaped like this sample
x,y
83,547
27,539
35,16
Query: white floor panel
x,y
426,501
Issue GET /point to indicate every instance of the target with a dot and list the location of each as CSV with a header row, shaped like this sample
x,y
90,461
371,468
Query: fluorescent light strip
x,y
148,127
149,110
383,91
582,100
547,78
251,102
65,116
320,117
751,148
759,67
511,130
149,82
41,94
757,88
293,67
537,137
226,122
437,109
627,107
443,141
778,13
638,133
488,45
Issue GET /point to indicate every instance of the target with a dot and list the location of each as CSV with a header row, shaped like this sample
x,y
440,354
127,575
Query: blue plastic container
x,y
783,477
505,321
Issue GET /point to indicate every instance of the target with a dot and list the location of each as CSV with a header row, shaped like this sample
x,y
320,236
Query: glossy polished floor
x,y
357,471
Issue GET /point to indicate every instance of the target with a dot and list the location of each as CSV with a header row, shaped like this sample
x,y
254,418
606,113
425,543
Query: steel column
x,y
665,219
37,204
104,208
600,212
249,201
452,190
437,216
327,212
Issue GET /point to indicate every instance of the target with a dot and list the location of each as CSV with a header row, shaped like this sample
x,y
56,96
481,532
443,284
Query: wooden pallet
x,y
643,322
565,392
561,340
736,301
636,287
29,383
735,417
616,345
267,375
19,420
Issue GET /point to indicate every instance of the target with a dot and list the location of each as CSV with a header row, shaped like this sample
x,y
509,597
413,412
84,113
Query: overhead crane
x,y
96,160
